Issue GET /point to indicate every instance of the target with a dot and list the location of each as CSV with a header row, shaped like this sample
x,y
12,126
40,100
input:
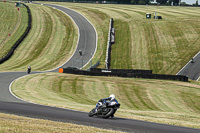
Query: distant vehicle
x,y
80,52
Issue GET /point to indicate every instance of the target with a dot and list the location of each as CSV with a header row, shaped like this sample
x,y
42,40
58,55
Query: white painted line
x,y
198,79
194,57
77,40
10,90
196,54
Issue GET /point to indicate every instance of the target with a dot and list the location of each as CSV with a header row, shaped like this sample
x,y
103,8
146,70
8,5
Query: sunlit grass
x,y
14,23
170,102
50,43
164,46
19,124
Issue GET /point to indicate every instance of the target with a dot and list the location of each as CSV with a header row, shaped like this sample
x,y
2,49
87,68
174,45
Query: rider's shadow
x,y
114,118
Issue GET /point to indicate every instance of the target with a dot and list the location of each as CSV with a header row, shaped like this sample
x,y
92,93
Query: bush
x,y
141,2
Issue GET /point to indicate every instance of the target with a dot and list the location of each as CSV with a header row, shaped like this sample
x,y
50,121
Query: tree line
x,y
139,2
135,2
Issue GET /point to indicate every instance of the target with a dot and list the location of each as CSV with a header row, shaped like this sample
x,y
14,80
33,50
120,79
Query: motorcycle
x,y
107,110
29,71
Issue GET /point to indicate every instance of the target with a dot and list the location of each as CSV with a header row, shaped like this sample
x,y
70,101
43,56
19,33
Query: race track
x,y
87,43
191,69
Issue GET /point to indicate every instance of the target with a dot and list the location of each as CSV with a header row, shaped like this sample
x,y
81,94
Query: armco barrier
x,y
17,43
121,70
123,74
159,76
94,66
108,52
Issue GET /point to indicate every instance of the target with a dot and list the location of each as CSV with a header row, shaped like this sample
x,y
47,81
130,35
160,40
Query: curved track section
x,y
87,42
10,104
191,69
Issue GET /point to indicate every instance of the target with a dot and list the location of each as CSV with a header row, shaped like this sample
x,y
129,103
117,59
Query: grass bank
x,y
169,102
19,124
164,46
50,43
13,22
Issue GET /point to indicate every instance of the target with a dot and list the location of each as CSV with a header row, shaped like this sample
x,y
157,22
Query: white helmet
x,y
112,96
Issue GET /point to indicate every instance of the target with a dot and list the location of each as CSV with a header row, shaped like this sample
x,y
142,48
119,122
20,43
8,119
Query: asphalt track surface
x,y
192,69
12,105
87,39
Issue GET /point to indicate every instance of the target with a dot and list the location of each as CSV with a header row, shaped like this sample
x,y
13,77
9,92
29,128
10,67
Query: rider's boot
x,y
97,109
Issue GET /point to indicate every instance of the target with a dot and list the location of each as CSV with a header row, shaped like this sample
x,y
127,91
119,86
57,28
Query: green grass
x,y
164,46
169,102
19,124
9,24
50,43
9,17
121,60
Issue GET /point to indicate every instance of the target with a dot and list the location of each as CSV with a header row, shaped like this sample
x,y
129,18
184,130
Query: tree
x,y
134,1
123,1
176,2
183,4
141,2
162,1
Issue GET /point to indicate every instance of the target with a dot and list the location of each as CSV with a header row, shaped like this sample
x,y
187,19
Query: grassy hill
x,y
170,102
164,46
14,23
50,43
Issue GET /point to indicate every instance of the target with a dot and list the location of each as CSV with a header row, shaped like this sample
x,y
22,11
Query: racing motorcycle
x,y
28,70
107,110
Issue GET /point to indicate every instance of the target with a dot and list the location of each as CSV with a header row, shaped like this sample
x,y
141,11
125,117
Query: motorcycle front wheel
x,y
108,112
91,113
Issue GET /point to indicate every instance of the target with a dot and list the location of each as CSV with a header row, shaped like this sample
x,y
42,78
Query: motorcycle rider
x,y
80,52
29,69
111,98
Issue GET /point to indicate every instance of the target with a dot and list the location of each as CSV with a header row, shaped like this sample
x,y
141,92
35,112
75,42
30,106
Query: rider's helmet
x,y
112,96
